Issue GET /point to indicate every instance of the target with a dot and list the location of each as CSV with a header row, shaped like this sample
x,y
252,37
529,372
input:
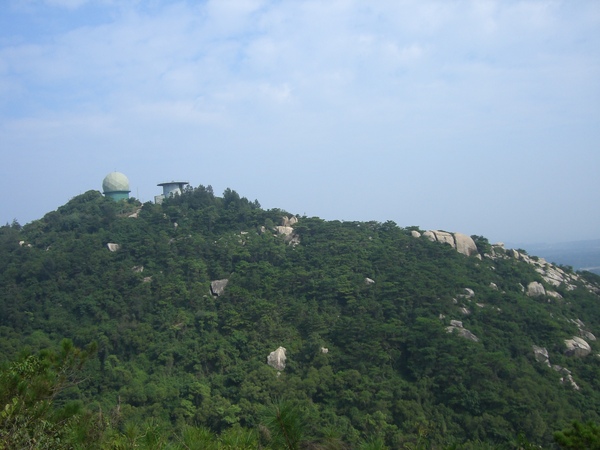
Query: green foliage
x,y
34,410
579,436
178,367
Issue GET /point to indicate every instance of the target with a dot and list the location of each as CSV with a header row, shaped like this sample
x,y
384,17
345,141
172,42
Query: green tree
x,y
579,436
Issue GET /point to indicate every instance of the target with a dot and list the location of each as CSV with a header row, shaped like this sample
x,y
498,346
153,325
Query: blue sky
x,y
475,116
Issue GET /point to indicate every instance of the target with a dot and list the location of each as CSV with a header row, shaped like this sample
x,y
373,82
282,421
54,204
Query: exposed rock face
x,y
286,230
324,350
369,281
577,347
494,286
113,247
456,323
541,355
461,242
465,311
415,234
445,238
277,358
429,235
137,269
217,287
289,221
535,289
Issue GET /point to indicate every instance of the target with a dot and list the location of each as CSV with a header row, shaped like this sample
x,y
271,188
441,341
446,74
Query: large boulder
x,y
113,247
535,289
277,358
577,347
465,244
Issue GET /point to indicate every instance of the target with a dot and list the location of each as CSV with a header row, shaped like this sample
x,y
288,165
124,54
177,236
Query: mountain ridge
x,y
396,312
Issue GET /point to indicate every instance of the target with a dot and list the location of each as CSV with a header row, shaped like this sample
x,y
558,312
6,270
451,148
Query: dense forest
x,y
149,326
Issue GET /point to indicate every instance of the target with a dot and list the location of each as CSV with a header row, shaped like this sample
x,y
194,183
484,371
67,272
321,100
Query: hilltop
x,y
207,311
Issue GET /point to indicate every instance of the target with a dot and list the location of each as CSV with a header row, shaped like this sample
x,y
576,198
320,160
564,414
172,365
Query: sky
x,y
480,116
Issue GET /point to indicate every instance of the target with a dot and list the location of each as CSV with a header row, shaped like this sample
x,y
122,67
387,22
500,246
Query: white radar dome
x,y
114,182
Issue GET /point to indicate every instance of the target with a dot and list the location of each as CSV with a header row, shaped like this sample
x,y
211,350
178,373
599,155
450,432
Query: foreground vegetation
x,y
174,366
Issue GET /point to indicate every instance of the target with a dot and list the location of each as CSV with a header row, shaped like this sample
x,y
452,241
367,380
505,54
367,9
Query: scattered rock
x,y
147,280
324,350
217,287
494,286
277,359
465,311
137,269
456,323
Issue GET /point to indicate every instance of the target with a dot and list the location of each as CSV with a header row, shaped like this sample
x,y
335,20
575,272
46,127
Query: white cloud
x,y
409,82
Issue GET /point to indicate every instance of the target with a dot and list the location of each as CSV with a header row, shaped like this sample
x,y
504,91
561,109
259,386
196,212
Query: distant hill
x,y
213,312
581,255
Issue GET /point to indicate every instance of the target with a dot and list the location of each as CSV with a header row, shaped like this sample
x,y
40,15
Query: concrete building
x,y
170,189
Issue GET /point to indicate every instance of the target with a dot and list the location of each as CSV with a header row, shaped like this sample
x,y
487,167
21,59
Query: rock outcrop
x,y
456,326
277,359
217,287
113,247
461,242
286,230
541,355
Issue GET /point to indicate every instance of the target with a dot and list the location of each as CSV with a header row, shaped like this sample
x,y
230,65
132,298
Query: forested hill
x,y
391,337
